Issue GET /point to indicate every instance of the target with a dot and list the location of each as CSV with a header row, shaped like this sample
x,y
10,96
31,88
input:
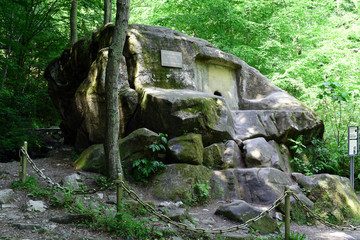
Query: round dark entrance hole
x,y
217,93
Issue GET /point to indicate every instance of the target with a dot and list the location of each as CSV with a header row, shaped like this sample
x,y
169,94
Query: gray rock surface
x,y
260,153
241,211
72,218
72,181
36,206
6,195
136,146
186,149
76,85
181,111
334,194
177,182
277,125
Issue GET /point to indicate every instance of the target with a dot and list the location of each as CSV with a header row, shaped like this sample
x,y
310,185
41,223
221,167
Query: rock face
x,y
241,211
186,149
191,85
183,86
333,194
178,182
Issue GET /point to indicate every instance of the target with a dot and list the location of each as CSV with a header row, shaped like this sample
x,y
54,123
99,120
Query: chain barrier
x,y
320,219
56,185
244,226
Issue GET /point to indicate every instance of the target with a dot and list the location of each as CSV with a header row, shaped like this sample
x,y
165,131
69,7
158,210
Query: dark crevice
x,y
130,63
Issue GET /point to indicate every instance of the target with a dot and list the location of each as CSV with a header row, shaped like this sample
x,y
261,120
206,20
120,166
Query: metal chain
x,y
166,219
244,226
56,185
320,219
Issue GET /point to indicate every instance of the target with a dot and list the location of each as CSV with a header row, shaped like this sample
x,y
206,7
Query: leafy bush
x,y
201,191
33,186
144,168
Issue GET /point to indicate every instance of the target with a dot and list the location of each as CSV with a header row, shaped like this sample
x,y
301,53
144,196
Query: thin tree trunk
x,y
107,11
112,158
73,24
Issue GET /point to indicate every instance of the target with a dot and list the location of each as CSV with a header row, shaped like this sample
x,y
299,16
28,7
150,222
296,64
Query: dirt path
x,y
14,221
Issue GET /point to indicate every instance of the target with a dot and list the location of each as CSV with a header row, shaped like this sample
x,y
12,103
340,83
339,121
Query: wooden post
x,y
119,192
23,163
287,214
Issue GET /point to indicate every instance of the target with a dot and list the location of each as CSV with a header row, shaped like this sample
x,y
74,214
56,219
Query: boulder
x,y
279,125
178,182
181,111
260,153
186,149
240,211
333,195
35,206
224,185
232,155
92,159
72,181
213,156
254,185
161,58
6,195
136,146
223,155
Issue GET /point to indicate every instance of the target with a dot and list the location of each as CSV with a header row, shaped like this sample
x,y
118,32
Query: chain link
x,y
56,185
244,226
320,219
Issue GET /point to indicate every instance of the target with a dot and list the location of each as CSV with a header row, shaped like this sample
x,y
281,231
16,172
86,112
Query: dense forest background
x,y
308,48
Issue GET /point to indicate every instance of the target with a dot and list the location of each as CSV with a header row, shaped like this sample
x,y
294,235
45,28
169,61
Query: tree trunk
x,y
107,11
73,24
112,158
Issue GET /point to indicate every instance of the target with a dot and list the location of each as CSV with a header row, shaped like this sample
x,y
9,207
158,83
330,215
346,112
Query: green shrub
x,y
32,185
144,168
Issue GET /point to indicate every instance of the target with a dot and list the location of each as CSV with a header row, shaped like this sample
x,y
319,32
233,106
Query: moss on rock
x,y
92,159
177,182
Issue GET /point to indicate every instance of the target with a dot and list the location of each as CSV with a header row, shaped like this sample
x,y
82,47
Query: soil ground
x,y
58,164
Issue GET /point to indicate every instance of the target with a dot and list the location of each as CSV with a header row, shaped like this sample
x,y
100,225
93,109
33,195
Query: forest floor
x,y
17,223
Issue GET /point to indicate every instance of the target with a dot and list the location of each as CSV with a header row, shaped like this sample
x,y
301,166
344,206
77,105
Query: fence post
x,y
119,192
287,213
23,163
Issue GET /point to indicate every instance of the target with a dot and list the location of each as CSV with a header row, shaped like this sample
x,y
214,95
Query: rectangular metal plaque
x,y
171,59
353,141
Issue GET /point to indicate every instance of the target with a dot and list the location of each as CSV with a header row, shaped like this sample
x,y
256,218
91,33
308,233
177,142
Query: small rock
x,y
72,218
25,226
279,216
236,236
3,206
208,221
6,195
111,199
72,181
12,216
177,214
35,206
241,211
171,204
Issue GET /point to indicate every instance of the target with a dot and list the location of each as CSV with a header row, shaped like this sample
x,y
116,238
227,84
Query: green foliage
x,y
161,145
144,168
201,191
32,185
62,199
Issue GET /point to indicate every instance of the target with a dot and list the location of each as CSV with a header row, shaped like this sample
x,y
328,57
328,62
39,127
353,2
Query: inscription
x,y
171,59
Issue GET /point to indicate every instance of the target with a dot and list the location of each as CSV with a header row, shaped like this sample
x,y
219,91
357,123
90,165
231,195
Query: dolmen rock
x,y
195,93
176,84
